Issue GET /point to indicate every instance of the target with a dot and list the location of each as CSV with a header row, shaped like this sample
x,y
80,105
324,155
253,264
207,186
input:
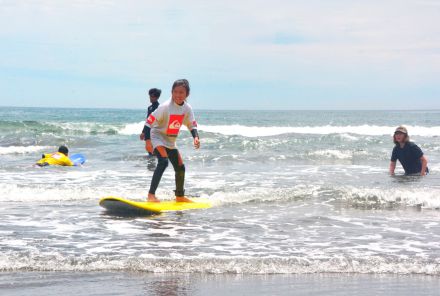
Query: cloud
x,y
324,48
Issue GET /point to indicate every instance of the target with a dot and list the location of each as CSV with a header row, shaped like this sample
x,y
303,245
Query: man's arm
x,y
147,134
424,161
144,132
392,167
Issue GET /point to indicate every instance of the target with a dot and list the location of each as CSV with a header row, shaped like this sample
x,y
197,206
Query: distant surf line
x,y
264,131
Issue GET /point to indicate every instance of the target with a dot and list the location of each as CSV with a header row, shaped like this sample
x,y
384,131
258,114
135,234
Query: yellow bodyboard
x,y
119,205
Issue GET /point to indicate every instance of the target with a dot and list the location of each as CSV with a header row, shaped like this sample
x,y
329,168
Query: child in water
x,y
57,158
408,153
162,129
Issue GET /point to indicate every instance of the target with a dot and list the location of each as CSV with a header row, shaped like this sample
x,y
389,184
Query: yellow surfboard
x,y
122,206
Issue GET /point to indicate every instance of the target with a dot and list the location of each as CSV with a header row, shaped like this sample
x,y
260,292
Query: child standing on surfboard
x,y
162,129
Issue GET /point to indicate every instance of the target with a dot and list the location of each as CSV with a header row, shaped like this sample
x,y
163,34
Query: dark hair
x,y
155,92
181,82
63,149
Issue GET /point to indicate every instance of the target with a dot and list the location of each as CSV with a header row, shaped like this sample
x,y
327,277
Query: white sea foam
x,y
132,128
371,130
262,194
85,127
66,192
263,131
219,264
416,196
23,149
332,153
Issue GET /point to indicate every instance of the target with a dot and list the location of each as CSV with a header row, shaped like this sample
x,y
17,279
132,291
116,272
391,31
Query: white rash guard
x,y
165,123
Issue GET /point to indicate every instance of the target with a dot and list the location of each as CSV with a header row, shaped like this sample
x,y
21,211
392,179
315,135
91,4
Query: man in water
x,y
408,153
154,94
57,158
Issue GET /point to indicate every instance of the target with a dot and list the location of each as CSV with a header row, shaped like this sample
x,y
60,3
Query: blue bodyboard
x,y
78,159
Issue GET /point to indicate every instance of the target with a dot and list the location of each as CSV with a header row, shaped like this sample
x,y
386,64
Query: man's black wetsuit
x,y
151,109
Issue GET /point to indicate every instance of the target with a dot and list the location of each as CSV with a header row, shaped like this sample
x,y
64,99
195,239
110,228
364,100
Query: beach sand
x,y
125,283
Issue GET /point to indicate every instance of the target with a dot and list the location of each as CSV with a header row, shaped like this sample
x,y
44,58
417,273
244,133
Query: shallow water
x,y
293,193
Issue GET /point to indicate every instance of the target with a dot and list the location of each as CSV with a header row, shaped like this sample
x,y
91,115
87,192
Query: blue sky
x,y
339,54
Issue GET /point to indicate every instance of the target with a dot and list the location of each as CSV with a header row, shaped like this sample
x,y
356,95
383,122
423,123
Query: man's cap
x,y
401,129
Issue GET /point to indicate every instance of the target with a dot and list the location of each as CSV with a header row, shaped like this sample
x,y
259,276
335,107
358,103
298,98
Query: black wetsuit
x,y
151,109
162,163
409,156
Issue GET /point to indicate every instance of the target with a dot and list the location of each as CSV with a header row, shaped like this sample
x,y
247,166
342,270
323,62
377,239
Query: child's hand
x,y
196,143
149,146
142,137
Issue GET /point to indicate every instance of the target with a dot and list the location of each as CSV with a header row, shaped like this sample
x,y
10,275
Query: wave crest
x,y
264,131
23,149
219,265
370,130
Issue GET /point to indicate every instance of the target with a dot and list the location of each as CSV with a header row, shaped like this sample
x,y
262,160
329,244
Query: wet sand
x,y
124,283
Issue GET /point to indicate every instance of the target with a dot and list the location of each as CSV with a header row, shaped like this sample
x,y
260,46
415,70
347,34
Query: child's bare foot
x,y
182,199
152,198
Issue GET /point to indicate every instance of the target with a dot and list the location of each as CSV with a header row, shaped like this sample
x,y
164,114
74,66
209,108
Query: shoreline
x,y
135,283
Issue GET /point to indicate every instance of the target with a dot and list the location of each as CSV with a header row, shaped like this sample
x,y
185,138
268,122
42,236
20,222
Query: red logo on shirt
x,y
174,124
151,119
194,123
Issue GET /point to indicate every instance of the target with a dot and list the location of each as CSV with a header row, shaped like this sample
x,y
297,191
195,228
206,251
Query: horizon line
x,y
203,109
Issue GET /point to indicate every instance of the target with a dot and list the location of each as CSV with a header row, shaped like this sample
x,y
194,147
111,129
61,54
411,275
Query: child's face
x,y
400,137
179,95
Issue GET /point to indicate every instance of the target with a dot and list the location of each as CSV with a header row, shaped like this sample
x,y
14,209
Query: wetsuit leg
x,y
162,163
179,169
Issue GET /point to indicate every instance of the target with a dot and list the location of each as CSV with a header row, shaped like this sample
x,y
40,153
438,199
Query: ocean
x,y
300,198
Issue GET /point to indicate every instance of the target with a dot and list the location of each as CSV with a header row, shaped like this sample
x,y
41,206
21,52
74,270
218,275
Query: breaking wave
x,y
227,130
354,196
264,131
219,264
23,149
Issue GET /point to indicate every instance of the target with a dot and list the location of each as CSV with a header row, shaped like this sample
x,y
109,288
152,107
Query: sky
x,y
315,54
